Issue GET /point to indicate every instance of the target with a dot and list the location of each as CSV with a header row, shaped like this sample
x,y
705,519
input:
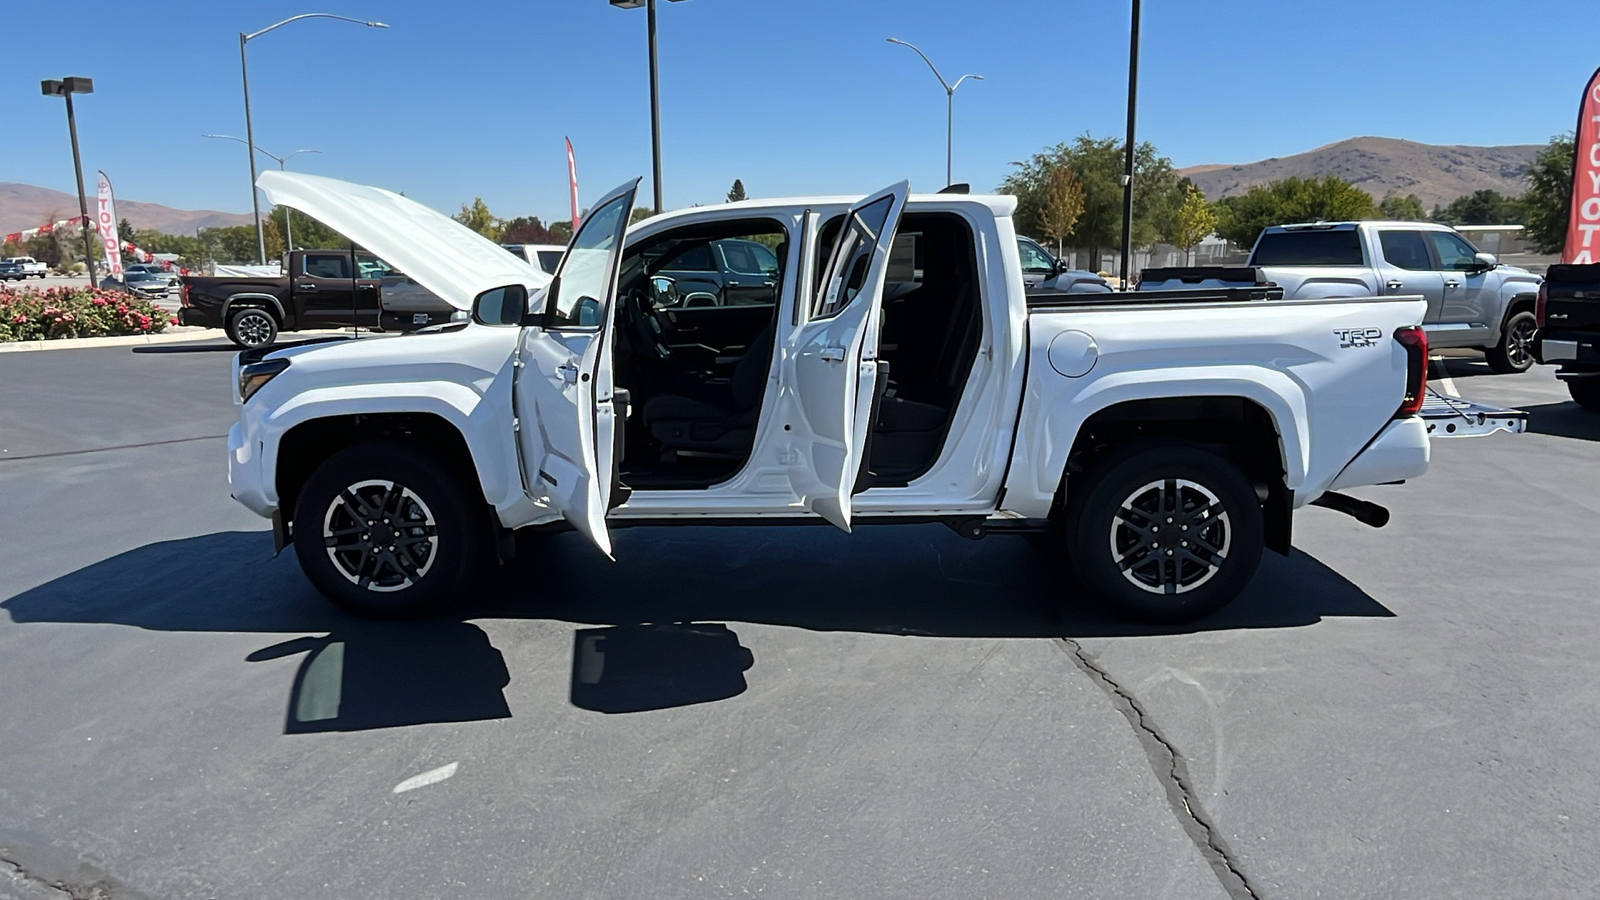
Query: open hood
x,y
439,253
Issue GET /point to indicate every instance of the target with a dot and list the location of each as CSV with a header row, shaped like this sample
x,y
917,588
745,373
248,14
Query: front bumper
x,y
247,480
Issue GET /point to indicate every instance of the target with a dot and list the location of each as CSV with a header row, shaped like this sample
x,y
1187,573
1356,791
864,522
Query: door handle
x,y
1452,284
305,287
1395,285
832,354
731,283
569,373
767,283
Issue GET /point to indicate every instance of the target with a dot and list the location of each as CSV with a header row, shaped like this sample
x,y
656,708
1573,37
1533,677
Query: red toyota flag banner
x,y
1583,222
106,223
572,178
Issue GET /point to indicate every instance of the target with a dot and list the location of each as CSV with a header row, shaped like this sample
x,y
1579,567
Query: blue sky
x,y
473,98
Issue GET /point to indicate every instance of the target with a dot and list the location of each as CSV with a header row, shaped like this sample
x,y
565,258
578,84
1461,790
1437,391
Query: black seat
x,y
716,417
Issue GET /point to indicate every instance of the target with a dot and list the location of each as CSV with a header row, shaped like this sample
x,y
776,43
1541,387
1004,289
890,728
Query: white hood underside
x,y
444,256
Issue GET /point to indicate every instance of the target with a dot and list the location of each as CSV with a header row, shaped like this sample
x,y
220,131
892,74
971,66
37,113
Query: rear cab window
x,y
1405,250
1330,247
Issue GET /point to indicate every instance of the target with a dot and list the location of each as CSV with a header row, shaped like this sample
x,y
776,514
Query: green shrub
x,y
28,315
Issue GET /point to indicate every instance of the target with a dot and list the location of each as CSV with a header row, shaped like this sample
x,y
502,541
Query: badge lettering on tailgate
x,y
1357,337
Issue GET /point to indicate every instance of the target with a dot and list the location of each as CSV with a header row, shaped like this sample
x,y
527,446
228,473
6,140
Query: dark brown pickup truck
x,y
318,291
1568,313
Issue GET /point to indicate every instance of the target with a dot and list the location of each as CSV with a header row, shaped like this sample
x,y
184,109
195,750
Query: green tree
x,y
640,213
1196,220
477,217
44,248
561,230
1060,204
1547,204
1241,219
1403,209
309,234
1486,207
526,230
1097,164
736,193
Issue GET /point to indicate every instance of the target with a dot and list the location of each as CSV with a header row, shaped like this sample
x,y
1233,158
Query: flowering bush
x,y
27,315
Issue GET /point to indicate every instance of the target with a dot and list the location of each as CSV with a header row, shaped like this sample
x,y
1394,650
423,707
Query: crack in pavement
x,y
204,437
1169,767
102,889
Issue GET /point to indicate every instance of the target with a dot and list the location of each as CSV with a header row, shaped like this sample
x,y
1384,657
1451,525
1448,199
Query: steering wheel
x,y
647,325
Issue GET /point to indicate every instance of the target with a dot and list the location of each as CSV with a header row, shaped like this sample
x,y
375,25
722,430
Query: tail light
x,y
1540,304
183,296
1415,340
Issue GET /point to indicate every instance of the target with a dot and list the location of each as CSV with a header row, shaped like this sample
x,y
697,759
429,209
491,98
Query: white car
x,y
544,257
1163,443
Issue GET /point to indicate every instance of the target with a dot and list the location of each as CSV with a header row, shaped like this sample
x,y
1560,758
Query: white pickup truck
x,y
17,268
895,371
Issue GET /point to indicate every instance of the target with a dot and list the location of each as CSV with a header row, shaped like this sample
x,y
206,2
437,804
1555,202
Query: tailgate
x,y
1455,417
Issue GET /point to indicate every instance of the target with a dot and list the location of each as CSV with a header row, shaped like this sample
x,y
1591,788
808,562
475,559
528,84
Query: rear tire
x,y
1514,353
252,327
1585,391
1164,533
384,530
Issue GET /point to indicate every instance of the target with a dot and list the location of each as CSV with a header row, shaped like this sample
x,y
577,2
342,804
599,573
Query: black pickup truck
x,y
316,291
1568,313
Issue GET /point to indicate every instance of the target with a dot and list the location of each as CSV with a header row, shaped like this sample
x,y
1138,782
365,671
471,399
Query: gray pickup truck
x,y
1473,301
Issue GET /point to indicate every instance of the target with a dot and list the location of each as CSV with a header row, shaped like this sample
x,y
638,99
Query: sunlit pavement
x,y
790,712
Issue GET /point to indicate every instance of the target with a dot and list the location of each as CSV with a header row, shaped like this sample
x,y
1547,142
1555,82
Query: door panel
x,y
324,294
829,370
563,393
1466,299
1406,267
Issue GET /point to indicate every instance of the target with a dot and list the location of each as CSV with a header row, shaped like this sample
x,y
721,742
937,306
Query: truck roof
x,y
1346,226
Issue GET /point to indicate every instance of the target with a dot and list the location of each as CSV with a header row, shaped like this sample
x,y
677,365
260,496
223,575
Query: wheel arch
x,y
254,300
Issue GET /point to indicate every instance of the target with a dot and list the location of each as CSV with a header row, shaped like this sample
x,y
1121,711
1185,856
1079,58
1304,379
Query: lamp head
x,y
52,88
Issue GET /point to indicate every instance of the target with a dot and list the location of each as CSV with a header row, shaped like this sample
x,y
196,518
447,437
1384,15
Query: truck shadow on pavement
x,y
1568,420
656,622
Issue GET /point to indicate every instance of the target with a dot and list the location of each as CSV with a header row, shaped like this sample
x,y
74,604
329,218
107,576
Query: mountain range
x,y
1437,174
24,206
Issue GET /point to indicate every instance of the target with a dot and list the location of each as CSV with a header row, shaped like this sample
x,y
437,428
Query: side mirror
x,y
664,292
1487,260
1062,266
501,306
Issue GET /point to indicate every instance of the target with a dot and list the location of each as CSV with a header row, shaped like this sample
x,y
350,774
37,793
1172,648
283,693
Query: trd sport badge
x,y
1357,337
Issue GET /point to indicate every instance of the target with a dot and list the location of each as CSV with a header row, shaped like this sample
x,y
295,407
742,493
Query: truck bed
x,y
1050,300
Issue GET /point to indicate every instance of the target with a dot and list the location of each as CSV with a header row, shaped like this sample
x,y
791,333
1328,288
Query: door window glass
x,y
1454,253
549,260
327,265
1034,259
586,273
1405,250
852,259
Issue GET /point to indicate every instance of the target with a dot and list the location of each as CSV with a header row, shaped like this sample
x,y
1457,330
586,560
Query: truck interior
x,y
694,350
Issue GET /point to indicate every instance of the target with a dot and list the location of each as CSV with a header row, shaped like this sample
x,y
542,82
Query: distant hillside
x,y
24,206
1436,174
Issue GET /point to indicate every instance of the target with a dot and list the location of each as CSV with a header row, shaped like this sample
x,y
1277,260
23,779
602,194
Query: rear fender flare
x,y
1282,397
254,299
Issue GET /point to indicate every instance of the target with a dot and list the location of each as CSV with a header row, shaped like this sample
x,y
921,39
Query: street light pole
x,y
950,106
1127,171
655,92
249,129
288,214
65,88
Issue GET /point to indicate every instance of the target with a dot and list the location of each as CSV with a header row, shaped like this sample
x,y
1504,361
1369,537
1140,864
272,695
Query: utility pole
x,y
1127,172
65,88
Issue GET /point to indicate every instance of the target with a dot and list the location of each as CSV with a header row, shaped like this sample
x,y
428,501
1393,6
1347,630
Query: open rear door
x,y
830,368
566,421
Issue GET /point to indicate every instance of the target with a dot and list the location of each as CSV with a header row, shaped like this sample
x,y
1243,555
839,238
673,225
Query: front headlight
x,y
254,377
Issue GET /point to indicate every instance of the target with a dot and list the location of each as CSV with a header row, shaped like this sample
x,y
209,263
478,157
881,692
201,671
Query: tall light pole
x,y
655,93
288,220
66,87
249,129
1127,171
950,105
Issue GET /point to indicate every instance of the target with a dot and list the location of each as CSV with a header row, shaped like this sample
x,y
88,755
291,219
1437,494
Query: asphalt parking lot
x,y
786,712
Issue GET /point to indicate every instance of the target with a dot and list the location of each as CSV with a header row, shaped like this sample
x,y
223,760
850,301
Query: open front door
x,y
566,421
830,369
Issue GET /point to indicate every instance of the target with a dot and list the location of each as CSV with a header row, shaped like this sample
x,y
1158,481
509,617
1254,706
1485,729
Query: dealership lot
x,y
791,712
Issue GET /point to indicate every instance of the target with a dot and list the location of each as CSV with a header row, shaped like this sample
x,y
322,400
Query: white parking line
x,y
1448,383
432,776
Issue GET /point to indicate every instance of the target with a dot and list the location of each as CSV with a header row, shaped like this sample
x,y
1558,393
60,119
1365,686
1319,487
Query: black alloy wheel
x,y
1514,353
384,529
1165,532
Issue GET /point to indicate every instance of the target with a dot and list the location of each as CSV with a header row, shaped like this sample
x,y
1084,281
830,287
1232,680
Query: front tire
x,y
1165,533
384,530
252,327
1585,391
1514,353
